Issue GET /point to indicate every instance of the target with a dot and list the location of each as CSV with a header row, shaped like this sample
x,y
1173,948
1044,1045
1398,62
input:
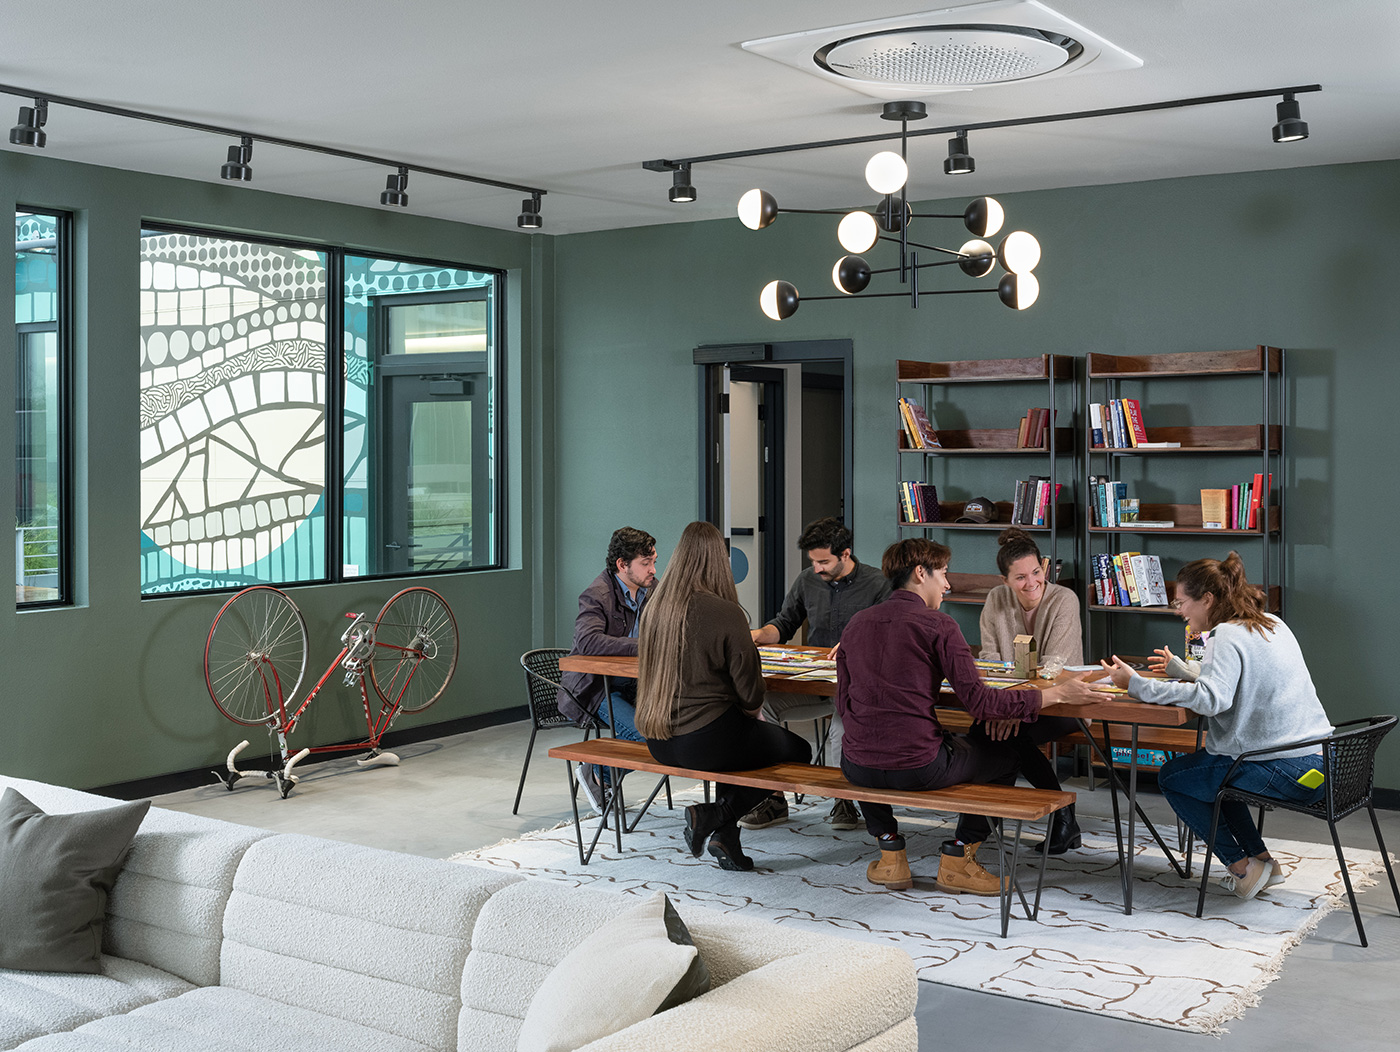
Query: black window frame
x,y
334,492
64,243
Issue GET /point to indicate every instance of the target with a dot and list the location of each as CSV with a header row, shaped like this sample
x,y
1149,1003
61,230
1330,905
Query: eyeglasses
x,y
1175,604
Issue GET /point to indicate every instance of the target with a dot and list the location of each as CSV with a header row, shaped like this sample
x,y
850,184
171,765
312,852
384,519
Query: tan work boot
x,y
892,869
959,870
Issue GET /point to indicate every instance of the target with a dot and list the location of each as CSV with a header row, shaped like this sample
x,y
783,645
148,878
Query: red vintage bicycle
x,y
255,658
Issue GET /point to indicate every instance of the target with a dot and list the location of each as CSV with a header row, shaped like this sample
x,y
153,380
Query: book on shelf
x,y
1023,432
918,429
1120,581
1128,510
1132,412
1159,445
927,435
1215,515
1096,424
1152,586
1256,490
1155,524
1032,430
918,502
1130,578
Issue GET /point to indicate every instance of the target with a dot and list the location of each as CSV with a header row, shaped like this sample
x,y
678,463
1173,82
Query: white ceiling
x,y
572,95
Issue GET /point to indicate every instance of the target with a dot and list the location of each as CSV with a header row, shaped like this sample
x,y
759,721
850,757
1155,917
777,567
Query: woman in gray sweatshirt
x,y
1255,692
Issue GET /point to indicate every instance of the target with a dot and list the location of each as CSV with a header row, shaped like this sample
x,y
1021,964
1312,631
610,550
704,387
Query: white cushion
x,y
638,964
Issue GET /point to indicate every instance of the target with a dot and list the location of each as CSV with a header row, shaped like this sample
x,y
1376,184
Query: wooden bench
x,y
1007,802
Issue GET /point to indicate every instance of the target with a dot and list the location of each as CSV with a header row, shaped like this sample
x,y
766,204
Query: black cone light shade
x,y
1290,127
30,129
395,190
238,168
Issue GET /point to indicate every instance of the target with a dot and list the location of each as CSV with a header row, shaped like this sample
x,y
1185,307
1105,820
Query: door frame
x,y
710,361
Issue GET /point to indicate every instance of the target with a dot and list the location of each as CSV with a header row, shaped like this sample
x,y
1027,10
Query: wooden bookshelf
x,y
1046,380
1259,438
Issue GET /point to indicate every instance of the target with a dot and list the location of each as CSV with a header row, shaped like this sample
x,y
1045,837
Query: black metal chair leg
x,y
1385,856
525,767
1346,879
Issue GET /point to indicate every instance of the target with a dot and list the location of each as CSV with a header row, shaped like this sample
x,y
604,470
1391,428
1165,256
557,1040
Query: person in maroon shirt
x,y
890,668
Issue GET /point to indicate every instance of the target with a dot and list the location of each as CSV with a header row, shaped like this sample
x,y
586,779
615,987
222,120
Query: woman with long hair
x,y
1255,692
1026,603
700,688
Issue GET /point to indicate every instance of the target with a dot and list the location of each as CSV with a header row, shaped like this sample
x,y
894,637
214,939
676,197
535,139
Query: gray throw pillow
x,y
55,873
638,964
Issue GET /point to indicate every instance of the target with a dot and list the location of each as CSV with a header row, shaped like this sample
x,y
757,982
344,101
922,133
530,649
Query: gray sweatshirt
x,y
1254,690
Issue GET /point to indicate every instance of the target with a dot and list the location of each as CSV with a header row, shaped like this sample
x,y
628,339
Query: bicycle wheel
x,y
255,655
415,649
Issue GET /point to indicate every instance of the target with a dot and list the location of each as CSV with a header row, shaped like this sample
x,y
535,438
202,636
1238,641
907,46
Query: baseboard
x,y
160,784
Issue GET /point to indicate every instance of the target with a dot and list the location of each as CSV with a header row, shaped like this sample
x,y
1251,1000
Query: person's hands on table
x,y
1071,690
1119,672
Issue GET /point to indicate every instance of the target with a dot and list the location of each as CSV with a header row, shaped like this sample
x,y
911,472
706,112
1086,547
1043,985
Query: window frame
x,y
334,365
64,241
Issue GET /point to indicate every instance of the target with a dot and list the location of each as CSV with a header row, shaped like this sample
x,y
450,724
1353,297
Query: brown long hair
x,y
1235,598
699,565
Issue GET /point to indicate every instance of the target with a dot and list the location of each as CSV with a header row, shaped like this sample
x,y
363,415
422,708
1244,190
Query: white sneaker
x,y
592,788
1248,885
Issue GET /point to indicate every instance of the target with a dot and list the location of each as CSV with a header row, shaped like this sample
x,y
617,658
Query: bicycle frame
x,y
359,643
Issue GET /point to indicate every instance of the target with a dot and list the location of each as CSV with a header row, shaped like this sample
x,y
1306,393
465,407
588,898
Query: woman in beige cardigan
x,y
1028,604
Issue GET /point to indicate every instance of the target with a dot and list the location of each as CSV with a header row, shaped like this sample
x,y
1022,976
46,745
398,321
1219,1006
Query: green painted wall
x,y
1299,259
112,689
602,400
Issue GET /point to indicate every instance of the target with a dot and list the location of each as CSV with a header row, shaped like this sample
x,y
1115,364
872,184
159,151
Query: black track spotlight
x,y
238,168
396,190
681,189
1290,127
959,161
529,217
30,129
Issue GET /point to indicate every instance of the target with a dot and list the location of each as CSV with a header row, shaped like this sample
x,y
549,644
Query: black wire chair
x,y
542,683
1348,770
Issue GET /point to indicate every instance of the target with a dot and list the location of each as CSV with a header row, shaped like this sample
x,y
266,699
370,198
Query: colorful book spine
x,y
1132,410
1096,424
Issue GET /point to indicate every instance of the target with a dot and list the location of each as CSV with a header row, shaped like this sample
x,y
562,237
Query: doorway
x,y
775,454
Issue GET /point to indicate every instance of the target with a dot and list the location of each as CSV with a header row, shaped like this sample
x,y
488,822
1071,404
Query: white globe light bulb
x,y
751,209
1019,252
857,232
886,172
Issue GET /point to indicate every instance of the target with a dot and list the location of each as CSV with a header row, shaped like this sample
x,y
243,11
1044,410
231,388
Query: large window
x,y
242,366
41,409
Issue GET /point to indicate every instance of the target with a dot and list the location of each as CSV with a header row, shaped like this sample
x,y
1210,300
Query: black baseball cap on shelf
x,y
979,509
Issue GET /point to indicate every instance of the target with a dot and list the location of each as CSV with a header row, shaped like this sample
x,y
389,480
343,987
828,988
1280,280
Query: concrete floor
x,y
455,794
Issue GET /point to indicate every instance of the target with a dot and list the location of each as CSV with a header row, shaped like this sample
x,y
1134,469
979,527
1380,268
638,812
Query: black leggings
x,y
733,742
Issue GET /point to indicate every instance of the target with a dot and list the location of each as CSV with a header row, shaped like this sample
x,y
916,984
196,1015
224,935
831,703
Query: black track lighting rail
x,y
272,140
962,128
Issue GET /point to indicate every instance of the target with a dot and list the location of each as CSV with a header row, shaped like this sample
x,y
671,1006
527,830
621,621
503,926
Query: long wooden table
x,y
1129,713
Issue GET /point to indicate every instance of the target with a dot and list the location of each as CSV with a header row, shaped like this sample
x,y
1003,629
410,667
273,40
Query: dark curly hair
x,y
830,533
626,544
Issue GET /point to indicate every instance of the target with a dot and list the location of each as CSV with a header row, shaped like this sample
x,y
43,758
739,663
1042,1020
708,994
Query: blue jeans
x,y
1190,783
625,716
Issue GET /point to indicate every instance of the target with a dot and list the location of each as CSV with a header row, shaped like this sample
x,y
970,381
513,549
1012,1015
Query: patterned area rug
x,y
1161,965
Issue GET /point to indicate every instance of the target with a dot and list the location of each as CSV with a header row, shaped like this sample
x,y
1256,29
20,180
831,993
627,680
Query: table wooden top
x,y
1120,710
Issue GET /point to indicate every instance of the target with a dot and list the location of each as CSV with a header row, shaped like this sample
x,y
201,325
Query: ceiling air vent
x,y
948,56
956,49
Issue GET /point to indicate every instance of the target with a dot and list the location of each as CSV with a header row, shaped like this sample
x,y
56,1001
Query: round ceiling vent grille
x,y
948,56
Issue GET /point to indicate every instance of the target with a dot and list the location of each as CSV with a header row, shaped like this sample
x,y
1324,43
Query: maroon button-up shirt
x,y
889,670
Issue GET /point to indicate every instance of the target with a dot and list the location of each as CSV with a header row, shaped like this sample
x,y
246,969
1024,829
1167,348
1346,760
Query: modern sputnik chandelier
x,y
887,173
859,231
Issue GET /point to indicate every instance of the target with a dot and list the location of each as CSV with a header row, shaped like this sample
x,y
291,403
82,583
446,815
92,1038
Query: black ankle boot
x,y
724,846
1064,833
700,821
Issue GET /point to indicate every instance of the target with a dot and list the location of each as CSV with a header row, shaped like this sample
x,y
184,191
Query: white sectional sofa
x,y
224,938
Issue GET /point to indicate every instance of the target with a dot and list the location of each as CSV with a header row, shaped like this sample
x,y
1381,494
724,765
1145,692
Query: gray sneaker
x,y
1251,882
592,788
769,812
843,815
